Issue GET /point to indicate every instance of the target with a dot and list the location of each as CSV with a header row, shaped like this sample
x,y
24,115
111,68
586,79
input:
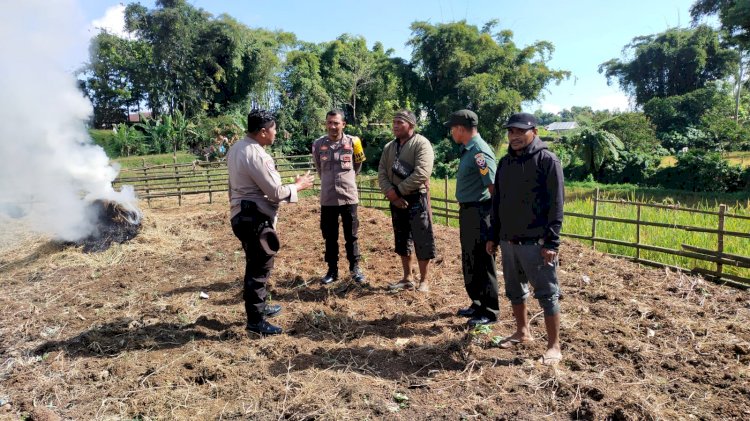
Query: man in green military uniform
x,y
474,188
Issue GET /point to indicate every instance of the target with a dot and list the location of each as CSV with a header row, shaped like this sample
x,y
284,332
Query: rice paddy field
x,y
580,200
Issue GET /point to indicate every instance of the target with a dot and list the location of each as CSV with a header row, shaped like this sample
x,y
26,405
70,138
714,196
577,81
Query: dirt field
x,y
123,334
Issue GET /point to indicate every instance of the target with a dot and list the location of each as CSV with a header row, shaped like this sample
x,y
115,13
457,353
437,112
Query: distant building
x,y
136,117
561,127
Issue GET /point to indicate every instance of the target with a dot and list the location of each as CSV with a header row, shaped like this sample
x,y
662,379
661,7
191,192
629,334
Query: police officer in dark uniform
x,y
474,187
255,192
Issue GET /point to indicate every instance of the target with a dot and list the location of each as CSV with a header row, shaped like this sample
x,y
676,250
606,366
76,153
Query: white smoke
x,y
50,170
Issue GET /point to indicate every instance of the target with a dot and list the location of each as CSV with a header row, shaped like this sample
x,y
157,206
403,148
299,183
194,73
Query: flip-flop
x,y
402,284
550,361
508,343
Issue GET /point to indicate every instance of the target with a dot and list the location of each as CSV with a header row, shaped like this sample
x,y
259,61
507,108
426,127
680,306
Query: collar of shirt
x,y
471,144
251,141
335,143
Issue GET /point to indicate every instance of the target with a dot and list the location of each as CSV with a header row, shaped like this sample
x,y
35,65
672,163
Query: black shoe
x,y
357,275
331,276
272,310
467,312
480,320
263,328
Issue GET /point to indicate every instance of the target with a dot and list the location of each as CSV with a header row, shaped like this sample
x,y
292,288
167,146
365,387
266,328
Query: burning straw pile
x,y
115,223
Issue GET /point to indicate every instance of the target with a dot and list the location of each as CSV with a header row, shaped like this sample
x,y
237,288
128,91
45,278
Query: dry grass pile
x,y
123,334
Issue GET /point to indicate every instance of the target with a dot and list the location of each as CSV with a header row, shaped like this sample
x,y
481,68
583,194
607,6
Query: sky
x,y
585,33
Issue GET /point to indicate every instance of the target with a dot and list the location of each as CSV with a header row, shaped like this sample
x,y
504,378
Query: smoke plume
x,y
50,171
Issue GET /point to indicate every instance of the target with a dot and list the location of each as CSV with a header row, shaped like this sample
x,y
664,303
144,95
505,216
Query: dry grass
x,y
123,335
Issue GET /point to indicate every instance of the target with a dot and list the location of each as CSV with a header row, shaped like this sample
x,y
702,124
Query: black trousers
x,y
480,273
329,226
258,265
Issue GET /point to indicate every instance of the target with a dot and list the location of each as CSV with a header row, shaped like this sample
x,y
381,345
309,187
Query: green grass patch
x,y
741,158
151,160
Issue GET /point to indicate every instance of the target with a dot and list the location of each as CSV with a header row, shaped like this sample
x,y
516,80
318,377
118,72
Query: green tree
x,y
734,17
635,130
171,29
595,148
461,66
671,63
304,101
679,112
114,79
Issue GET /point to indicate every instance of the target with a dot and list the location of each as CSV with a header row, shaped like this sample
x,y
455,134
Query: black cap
x,y
522,121
466,118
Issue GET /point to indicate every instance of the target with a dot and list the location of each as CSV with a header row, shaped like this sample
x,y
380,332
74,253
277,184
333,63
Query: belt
x,y
527,241
467,205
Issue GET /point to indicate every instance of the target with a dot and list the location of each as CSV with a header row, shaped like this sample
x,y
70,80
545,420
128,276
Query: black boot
x,y
263,328
357,275
331,276
272,310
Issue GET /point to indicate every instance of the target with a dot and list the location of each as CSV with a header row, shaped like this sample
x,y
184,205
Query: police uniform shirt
x,y
476,171
337,166
253,176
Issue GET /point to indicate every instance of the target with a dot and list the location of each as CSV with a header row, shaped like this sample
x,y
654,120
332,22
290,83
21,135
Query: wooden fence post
x,y
148,191
210,186
179,189
593,219
638,234
720,239
445,197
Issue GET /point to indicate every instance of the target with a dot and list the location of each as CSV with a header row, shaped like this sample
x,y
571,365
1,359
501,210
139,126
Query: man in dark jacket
x,y
527,214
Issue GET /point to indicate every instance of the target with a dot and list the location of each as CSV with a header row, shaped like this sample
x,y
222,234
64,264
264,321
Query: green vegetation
x,y
151,160
579,199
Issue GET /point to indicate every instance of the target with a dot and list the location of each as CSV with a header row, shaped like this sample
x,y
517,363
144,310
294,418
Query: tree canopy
x,y
460,66
671,63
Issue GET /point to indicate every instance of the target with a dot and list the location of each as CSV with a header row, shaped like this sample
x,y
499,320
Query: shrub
x,y
631,168
696,171
446,158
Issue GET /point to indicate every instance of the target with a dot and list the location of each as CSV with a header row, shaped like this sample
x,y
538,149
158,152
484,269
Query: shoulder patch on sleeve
x,y
359,153
481,163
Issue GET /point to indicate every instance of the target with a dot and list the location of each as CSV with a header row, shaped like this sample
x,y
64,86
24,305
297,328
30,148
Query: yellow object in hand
x,y
359,153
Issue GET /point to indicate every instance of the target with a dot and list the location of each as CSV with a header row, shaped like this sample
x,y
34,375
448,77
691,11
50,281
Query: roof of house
x,y
562,125
135,117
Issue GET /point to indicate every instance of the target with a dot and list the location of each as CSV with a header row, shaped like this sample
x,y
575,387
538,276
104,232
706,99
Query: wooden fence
x,y
178,180
199,177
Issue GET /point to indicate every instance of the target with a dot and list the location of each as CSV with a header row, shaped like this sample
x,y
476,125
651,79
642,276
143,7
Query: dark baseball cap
x,y
462,118
522,121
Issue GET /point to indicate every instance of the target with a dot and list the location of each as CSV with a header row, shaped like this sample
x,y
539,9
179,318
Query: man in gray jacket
x,y
527,215
403,175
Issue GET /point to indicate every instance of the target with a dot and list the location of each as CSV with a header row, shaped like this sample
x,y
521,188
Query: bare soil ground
x,y
123,334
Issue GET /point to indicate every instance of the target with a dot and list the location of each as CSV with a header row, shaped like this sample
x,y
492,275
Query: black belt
x,y
467,205
526,241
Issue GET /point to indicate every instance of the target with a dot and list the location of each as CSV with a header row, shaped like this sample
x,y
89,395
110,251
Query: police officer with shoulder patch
x,y
255,192
474,189
338,158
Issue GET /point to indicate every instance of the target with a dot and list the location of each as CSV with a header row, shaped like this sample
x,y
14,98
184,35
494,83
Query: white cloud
x,y
551,108
113,21
612,102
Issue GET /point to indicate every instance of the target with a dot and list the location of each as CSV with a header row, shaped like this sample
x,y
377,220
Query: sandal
x,y
402,284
